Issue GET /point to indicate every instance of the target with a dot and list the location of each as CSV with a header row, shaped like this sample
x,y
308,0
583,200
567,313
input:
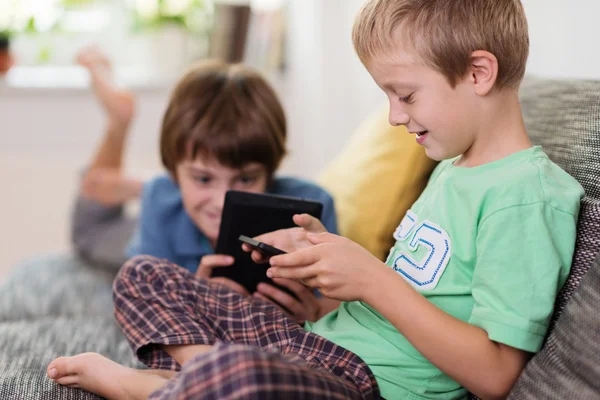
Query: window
x,y
148,41
145,39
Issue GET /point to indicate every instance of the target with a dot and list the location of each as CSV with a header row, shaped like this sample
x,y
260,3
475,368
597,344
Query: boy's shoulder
x,y
297,187
523,178
536,178
162,196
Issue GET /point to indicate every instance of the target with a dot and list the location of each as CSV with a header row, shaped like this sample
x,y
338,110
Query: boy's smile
x,y
422,99
203,185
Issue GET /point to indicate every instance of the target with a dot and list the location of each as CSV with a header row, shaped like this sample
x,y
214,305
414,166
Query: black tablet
x,y
252,214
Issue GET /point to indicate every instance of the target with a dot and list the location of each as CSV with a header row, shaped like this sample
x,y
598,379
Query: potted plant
x,y
176,29
6,58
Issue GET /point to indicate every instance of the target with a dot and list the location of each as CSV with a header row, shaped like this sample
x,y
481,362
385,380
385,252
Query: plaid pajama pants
x,y
258,351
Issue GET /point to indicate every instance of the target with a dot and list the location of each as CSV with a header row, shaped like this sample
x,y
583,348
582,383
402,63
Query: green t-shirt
x,y
491,246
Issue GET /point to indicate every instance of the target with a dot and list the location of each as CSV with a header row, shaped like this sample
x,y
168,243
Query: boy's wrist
x,y
376,279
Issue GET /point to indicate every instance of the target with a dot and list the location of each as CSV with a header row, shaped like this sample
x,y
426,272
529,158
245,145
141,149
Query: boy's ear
x,y
483,71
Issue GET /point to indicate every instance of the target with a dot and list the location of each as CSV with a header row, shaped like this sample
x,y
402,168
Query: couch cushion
x,y
28,347
55,285
53,306
568,367
587,247
564,117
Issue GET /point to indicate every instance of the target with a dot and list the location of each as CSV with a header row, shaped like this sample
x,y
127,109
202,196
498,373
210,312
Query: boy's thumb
x,y
309,223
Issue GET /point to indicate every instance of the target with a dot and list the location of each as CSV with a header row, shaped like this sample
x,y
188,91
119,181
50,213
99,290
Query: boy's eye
x,y
247,179
202,179
408,99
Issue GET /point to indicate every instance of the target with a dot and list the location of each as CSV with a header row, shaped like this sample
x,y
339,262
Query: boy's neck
x,y
502,131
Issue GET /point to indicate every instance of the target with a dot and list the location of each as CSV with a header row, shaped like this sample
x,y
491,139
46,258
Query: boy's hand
x,y
306,308
288,240
338,267
211,261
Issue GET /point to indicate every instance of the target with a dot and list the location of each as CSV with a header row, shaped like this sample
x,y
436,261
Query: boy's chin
x,y
434,155
210,232
437,154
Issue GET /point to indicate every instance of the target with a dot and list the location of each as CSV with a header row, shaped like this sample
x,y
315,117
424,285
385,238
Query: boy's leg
x,y
160,305
100,234
103,180
99,229
233,371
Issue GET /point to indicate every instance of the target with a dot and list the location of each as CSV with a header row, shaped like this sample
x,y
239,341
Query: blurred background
x,y
50,122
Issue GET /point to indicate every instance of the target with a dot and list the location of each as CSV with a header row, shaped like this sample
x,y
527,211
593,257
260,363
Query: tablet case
x,y
252,214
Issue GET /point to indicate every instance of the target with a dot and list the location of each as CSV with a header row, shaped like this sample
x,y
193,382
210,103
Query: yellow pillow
x,y
377,177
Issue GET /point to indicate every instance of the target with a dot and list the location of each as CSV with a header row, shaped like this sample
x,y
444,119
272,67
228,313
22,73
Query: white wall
x,y
328,91
46,137
564,38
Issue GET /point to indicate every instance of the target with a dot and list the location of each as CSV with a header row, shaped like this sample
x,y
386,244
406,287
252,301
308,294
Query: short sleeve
x,y
149,238
523,258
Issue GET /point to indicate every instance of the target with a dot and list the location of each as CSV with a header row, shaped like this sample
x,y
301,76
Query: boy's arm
x,y
462,351
149,238
523,255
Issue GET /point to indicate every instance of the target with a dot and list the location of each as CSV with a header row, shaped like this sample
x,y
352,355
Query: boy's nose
x,y
397,119
218,198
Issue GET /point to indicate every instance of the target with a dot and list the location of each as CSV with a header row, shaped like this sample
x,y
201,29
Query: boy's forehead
x,y
212,164
397,57
393,74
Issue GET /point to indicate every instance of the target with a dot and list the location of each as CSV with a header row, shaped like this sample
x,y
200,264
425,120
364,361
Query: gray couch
x,y
59,305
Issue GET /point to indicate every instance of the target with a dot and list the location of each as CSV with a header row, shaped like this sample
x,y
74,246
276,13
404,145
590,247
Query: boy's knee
x,y
255,362
136,269
230,362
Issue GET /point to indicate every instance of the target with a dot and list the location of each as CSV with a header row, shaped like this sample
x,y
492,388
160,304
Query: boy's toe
x,y
60,367
68,380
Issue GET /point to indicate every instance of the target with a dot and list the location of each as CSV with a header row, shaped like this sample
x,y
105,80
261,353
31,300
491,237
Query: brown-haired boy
x,y
224,128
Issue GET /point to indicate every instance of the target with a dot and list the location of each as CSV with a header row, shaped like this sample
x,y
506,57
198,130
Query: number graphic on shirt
x,y
426,273
406,226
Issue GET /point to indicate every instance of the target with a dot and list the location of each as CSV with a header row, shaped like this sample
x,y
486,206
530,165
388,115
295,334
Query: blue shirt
x,y
166,231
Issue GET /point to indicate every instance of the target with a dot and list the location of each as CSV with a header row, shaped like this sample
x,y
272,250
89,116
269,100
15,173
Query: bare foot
x,y
118,103
110,187
99,375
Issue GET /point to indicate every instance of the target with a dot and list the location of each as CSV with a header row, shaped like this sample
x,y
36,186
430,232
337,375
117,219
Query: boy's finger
x,y
309,223
281,298
304,257
259,257
232,285
209,262
302,273
215,261
325,237
295,286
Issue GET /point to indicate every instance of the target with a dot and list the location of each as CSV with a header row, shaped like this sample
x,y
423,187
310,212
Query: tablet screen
x,y
252,214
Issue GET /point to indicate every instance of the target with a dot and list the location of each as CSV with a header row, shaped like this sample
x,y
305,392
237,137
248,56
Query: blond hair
x,y
444,33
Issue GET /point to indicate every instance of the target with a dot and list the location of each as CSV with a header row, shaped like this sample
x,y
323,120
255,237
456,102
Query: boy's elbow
x,y
497,389
501,378
495,394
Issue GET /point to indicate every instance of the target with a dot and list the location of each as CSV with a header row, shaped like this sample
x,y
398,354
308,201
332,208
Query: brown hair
x,y
444,33
223,111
